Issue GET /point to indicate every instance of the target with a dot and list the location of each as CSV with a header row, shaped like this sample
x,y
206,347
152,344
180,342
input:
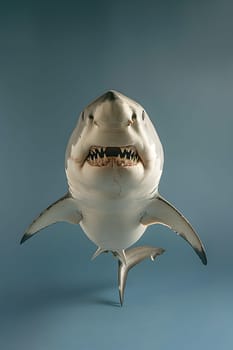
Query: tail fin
x,y
133,257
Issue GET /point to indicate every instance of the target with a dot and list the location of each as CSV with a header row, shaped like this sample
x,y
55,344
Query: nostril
x,y
134,117
132,120
92,119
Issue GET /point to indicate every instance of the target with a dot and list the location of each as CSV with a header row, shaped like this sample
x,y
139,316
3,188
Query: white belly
x,y
113,225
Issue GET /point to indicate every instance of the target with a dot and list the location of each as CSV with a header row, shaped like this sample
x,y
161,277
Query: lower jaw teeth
x,y
111,161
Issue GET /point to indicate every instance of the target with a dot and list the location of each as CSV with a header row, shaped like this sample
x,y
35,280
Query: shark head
x,y
114,150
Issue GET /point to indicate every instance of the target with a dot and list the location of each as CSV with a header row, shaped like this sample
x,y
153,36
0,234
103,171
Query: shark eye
x,y
91,117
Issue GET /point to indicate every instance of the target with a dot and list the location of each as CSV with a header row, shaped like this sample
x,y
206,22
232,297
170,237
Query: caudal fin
x,y
133,257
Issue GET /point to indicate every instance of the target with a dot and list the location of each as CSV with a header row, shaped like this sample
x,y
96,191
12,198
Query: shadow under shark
x,y
114,161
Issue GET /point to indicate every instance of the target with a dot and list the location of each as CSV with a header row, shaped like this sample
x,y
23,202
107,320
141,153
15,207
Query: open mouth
x,y
109,156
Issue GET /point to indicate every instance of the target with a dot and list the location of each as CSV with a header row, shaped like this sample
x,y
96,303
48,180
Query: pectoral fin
x,y
162,212
65,209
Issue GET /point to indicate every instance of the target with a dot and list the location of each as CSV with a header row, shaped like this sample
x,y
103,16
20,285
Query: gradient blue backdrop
x,y
176,59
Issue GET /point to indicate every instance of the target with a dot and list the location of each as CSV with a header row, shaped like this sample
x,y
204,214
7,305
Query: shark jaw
x,y
113,156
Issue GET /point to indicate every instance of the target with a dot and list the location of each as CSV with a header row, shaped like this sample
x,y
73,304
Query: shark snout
x,y
110,96
113,111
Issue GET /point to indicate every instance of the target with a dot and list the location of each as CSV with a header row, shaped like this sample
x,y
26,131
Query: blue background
x,y
176,59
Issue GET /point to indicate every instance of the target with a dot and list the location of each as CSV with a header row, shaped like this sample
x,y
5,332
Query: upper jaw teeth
x,y
107,156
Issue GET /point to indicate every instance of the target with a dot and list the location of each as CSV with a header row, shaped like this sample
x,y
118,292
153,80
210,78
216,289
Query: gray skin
x,y
113,164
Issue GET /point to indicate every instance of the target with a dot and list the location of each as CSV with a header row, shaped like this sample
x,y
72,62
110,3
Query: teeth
x,y
127,157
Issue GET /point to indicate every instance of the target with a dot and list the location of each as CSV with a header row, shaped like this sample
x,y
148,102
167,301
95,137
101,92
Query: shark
x,y
113,164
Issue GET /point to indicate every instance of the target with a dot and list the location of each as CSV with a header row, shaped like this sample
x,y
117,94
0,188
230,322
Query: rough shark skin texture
x,y
113,163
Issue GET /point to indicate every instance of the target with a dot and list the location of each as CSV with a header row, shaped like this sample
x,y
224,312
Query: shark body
x,y
114,161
